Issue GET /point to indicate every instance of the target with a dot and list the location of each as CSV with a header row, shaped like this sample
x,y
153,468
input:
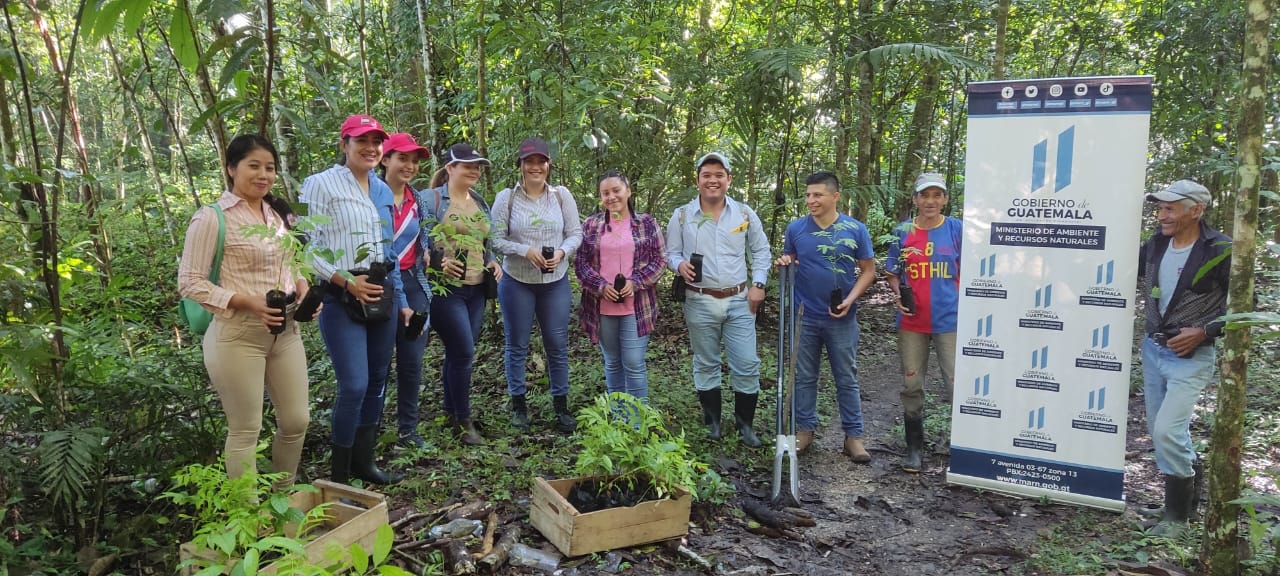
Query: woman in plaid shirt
x,y
618,266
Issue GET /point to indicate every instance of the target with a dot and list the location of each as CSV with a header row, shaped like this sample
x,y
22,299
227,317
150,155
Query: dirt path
x,y
875,519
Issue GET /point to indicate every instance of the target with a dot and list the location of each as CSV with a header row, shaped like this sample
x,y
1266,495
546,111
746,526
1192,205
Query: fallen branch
x,y
690,554
456,558
413,562
410,517
495,559
473,511
490,528
778,520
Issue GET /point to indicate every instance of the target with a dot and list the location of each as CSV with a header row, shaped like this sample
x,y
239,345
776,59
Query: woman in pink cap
x,y
401,155
365,299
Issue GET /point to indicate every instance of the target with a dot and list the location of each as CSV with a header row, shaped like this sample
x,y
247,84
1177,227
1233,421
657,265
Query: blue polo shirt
x,y
840,246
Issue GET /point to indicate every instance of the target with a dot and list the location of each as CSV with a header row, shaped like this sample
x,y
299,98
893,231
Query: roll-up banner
x,y
1054,181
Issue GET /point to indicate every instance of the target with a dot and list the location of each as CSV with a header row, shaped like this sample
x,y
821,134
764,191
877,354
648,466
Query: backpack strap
x,y
216,268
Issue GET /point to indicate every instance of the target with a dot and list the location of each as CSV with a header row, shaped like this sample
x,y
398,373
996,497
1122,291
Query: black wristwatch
x,y
759,285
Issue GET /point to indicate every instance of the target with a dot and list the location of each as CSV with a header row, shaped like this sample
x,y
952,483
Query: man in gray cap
x,y
1185,280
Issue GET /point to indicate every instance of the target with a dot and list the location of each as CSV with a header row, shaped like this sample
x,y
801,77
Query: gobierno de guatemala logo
x,y
1053,207
1094,417
1033,436
1041,316
986,285
980,402
982,345
1098,356
1102,292
1038,376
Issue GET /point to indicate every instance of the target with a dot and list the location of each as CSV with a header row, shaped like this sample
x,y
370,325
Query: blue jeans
x,y
1171,386
623,349
361,356
840,337
458,317
520,303
409,359
710,321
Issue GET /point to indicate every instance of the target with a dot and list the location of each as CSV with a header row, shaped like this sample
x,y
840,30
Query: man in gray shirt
x,y
1185,275
719,247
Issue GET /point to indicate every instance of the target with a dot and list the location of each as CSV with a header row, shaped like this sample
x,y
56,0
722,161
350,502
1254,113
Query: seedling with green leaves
x,y
461,233
839,262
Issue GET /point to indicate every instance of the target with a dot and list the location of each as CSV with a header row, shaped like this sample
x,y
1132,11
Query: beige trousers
x,y
243,360
913,348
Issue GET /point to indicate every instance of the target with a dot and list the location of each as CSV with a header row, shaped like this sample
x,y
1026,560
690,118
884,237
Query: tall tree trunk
x,y
47,206
8,142
1220,554
1002,28
169,119
427,87
70,114
918,141
482,94
269,26
864,158
207,91
364,59
148,151
779,192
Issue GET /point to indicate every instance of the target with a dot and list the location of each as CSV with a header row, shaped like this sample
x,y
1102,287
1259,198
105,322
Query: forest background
x,y
114,113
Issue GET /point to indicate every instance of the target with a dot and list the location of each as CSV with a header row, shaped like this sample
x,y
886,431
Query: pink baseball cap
x,y
404,142
359,124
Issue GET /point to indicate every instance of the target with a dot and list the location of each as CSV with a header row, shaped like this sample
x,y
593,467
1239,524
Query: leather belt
x,y
718,292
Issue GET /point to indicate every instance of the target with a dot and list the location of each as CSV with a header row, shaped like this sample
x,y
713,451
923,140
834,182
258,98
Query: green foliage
x,y
1263,530
299,255
624,439
69,461
457,233
838,259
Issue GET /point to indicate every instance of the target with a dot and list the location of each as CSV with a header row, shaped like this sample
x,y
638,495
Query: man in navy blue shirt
x,y
836,266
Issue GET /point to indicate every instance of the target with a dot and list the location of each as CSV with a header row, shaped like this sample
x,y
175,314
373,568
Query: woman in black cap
x,y
537,229
459,224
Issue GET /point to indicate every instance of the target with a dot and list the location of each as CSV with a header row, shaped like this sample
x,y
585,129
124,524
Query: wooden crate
x,y
344,525
576,534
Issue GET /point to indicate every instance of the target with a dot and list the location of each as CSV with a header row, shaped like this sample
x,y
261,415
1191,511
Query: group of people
x,y
392,262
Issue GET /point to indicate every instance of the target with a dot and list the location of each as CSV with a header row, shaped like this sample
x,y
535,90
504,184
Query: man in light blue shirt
x,y
718,246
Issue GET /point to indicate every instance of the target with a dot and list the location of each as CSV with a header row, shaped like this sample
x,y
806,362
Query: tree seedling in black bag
x,y
306,311
435,260
416,324
836,298
548,252
908,297
619,282
695,260
461,256
279,300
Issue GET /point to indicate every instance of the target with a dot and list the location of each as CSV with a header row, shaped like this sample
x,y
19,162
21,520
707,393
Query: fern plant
x,y
624,442
69,461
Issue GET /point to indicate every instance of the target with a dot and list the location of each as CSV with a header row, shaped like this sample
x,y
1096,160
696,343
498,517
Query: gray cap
x,y
713,157
930,180
1182,190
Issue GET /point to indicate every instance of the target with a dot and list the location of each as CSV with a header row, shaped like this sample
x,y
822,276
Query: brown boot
x,y
803,439
855,450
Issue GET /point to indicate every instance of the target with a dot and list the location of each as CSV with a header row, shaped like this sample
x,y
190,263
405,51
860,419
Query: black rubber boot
x,y
519,413
744,412
362,461
1197,489
565,422
1178,497
710,401
340,465
914,459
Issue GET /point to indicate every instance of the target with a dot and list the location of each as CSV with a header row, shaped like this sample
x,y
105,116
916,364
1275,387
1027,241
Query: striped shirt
x,y
646,269
250,265
357,221
521,223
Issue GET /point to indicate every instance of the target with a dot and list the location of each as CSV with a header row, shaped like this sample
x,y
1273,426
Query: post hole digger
x,y
785,514
785,442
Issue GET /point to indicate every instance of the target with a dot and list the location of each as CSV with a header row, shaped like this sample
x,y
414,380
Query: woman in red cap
x,y
364,302
400,159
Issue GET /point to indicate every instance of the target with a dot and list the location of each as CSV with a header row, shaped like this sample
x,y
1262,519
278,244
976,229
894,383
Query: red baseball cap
x,y
404,142
359,124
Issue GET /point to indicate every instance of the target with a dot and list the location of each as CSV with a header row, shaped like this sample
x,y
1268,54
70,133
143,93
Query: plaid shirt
x,y
646,270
